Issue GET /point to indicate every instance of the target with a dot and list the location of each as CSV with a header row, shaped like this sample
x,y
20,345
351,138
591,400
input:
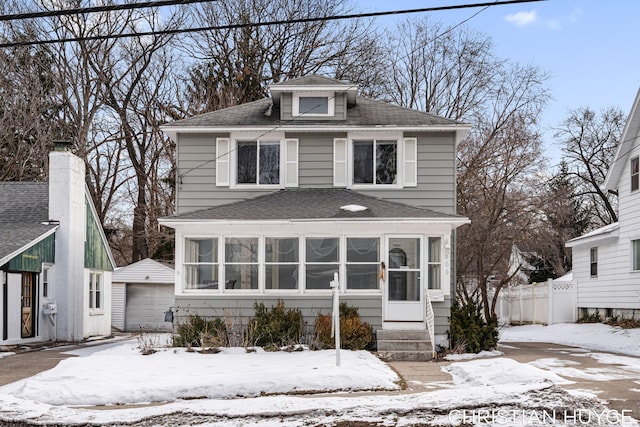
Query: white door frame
x,y
404,310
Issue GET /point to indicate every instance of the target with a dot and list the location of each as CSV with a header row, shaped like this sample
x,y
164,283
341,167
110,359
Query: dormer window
x,y
313,104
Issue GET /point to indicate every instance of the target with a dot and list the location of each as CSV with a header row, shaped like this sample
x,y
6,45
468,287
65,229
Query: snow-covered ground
x,y
238,388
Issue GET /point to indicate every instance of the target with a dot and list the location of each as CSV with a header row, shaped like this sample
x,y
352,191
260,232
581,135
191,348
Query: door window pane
x,y
404,269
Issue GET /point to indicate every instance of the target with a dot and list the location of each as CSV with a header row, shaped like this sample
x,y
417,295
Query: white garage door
x,y
145,307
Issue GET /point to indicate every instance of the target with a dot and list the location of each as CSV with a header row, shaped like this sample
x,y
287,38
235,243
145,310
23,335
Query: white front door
x,y
404,299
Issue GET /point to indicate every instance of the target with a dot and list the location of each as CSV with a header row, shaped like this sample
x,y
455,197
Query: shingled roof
x,y
264,113
24,206
312,204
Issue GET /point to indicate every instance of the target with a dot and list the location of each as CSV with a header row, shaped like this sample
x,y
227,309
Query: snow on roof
x,y
595,234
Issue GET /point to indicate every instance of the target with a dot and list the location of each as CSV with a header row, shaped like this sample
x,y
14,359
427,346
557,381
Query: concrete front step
x,y
414,356
404,345
413,345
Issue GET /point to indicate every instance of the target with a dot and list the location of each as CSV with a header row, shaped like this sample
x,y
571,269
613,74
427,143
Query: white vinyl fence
x,y
544,303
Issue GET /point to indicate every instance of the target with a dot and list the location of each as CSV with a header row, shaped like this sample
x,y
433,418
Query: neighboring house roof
x,y
564,279
263,113
145,271
313,204
628,140
24,207
600,235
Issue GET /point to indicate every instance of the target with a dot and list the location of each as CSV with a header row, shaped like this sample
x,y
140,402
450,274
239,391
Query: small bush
x,y
354,333
200,332
275,327
469,330
624,323
591,318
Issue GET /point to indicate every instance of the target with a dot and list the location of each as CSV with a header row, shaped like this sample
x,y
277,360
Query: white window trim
x,y
343,264
223,263
285,162
376,136
631,255
632,174
262,284
92,309
434,294
183,279
331,103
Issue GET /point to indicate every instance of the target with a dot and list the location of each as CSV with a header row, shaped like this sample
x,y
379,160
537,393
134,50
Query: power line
x,y
95,9
279,126
265,24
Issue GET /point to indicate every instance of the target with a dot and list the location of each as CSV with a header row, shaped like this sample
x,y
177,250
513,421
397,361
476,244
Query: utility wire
x,y
264,24
94,9
294,119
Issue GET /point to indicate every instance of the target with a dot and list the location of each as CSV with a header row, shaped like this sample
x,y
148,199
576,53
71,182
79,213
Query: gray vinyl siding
x,y
241,306
196,187
370,307
436,175
340,104
442,312
315,159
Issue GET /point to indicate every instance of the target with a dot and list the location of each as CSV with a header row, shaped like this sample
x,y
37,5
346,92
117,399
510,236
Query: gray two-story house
x,y
276,195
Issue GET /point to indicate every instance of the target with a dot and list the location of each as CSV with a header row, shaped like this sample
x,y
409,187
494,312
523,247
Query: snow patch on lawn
x,y
471,356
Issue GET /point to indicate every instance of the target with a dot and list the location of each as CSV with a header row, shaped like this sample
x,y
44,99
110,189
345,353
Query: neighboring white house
x,y
55,263
606,261
142,293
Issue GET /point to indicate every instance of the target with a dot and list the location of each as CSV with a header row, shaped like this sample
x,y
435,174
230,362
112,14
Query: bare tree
x,y
236,65
29,105
454,72
589,143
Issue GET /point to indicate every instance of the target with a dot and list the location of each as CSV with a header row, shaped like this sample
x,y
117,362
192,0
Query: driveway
x,y
613,378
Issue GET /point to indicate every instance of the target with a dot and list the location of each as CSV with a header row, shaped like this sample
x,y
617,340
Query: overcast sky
x,y
591,48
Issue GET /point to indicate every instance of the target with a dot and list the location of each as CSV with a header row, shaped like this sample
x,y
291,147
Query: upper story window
x,y
375,162
319,104
388,160
258,162
593,255
635,174
255,161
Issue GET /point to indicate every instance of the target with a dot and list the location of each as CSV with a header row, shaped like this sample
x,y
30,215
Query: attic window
x,y
315,104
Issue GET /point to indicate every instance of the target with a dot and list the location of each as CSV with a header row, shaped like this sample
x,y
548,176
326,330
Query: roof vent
x,y
353,208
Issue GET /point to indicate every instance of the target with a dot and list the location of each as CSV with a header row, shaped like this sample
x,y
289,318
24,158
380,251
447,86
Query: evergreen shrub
x,y
469,331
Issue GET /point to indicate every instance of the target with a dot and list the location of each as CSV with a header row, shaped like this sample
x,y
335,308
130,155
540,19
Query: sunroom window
x,y
363,256
322,255
258,162
281,263
375,162
434,264
241,263
201,263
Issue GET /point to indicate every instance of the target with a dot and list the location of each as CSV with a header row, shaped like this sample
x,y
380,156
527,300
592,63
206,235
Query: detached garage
x,y
141,294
